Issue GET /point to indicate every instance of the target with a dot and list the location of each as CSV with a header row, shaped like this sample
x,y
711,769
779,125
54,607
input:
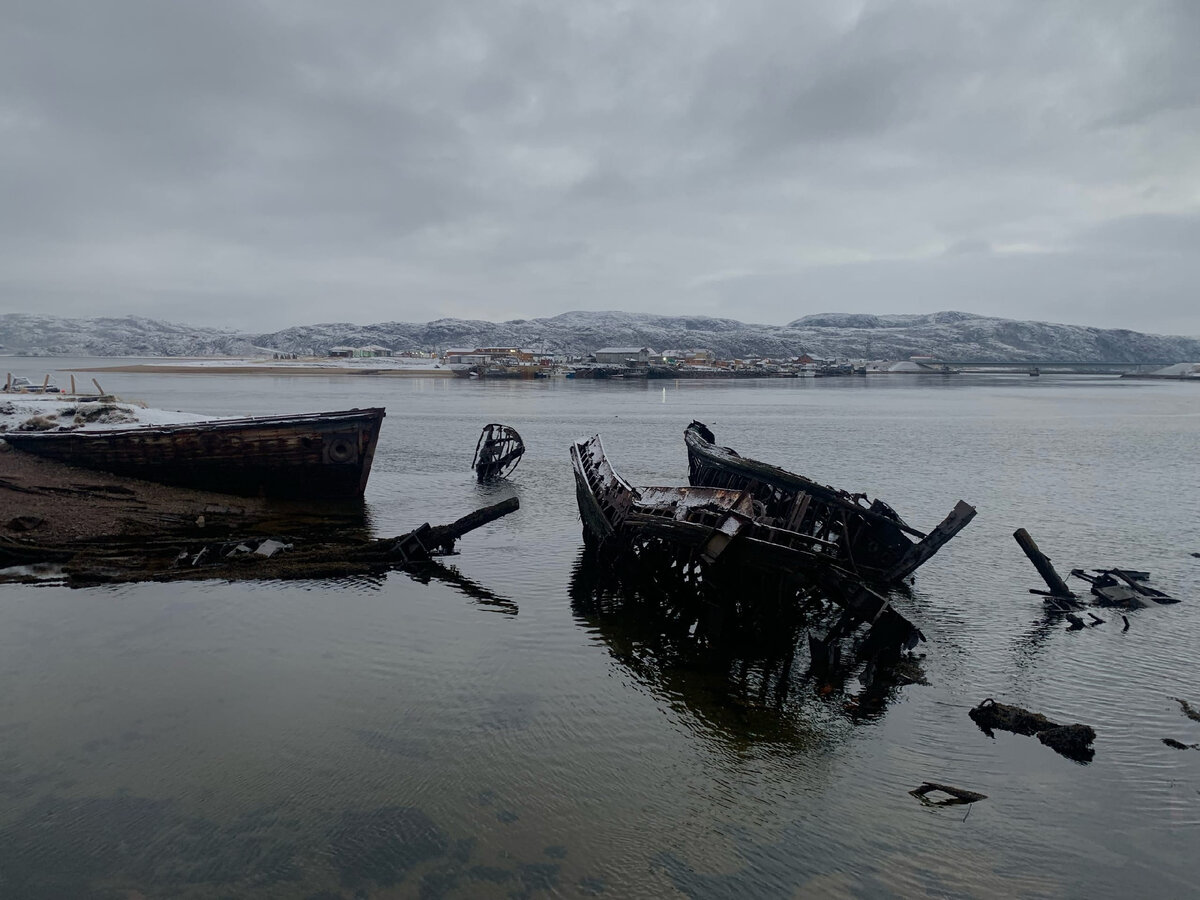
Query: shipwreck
x,y
844,531
497,452
717,543
310,456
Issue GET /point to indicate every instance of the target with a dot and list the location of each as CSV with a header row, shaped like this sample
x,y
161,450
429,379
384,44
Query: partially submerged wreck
x,y
700,538
497,452
313,455
866,539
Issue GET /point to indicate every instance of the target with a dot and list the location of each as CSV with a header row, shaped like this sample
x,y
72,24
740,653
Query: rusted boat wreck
x,y
313,455
716,542
498,452
867,539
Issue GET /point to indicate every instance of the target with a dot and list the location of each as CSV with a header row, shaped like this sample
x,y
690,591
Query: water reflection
x,y
431,570
746,671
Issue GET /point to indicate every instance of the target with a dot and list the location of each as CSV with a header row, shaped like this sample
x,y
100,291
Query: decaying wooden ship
x,y
717,540
498,452
313,455
865,538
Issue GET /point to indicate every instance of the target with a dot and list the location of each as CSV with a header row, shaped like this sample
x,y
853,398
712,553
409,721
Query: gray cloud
x,y
257,164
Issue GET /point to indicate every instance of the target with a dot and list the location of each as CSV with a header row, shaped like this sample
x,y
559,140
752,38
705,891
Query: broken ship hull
x,y
870,540
313,455
714,542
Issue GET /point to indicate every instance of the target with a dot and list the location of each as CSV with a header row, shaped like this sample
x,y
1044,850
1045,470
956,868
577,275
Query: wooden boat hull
x,y
313,455
869,540
712,535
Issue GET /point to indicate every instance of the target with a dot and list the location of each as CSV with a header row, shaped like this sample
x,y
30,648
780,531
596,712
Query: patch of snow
x,y
52,413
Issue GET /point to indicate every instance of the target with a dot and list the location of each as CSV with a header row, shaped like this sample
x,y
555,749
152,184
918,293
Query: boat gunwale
x,y
371,415
729,459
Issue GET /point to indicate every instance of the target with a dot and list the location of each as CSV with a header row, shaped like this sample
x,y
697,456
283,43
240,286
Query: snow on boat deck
x,y
85,414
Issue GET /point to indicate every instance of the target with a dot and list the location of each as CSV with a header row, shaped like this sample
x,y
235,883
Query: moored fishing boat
x,y
311,455
866,538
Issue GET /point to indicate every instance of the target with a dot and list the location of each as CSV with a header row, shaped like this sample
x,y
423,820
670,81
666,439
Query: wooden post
x,y
97,384
45,382
72,384
1041,562
8,381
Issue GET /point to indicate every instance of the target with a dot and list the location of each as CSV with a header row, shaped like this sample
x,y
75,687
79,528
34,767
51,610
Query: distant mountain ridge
x,y
947,335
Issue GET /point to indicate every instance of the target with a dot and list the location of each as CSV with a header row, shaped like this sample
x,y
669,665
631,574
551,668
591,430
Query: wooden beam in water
x,y
1041,562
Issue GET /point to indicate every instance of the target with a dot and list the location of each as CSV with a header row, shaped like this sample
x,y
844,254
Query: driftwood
x,y
1071,741
957,796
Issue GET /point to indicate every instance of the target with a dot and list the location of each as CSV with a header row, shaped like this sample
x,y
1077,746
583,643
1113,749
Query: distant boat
x,y
312,455
20,385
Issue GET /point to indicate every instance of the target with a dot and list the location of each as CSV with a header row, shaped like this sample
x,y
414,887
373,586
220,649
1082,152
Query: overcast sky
x,y
261,164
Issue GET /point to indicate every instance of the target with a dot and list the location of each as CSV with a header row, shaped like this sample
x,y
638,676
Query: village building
x,y
507,356
367,352
621,356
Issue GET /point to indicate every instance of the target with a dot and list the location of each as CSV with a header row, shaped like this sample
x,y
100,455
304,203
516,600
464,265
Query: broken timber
x,y
1122,587
719,536
868,539
1041,562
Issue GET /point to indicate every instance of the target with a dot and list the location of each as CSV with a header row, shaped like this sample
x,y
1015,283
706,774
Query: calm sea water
x,y
392,738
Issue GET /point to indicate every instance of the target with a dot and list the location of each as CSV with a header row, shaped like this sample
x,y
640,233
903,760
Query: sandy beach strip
x,y
62,503
150,368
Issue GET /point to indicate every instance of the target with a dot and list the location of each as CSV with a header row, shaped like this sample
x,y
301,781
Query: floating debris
x,y
1188,710
1124,588
498,452
1179,745
1071,741
956,796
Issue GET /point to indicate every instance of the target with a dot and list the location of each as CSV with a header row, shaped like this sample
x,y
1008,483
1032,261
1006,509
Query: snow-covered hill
x,y
948,335
35,335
